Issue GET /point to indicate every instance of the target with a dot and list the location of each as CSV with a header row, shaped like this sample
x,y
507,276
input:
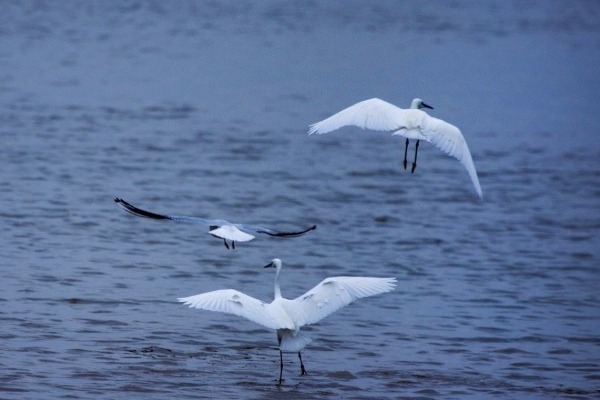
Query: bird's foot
x,y
303,372
404,163
414,166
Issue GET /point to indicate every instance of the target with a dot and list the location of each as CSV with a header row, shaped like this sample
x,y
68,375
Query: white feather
x,y
332,294
231,301
231,232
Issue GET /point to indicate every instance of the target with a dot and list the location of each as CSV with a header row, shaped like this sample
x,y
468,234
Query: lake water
x,y
202,108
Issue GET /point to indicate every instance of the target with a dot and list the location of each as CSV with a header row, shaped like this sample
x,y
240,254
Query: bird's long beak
x,y
423,105
270,265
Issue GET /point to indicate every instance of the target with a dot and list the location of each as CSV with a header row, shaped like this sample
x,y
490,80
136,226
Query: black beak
x,y
426,106
269,265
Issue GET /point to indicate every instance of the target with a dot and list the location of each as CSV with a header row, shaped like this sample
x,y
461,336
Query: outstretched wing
x,y
231,301
148,214
334,293
271,232
374,114
450,140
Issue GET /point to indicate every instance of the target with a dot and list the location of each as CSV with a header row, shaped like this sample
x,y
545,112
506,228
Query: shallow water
x,y
203,109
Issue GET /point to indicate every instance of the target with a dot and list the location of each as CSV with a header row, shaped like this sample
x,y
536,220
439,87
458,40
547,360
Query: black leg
x,y
302,369
405,151
415,161
280,367
233,244
225,243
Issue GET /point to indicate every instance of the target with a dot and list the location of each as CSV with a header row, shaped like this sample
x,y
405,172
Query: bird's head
x,y
275,263
418,104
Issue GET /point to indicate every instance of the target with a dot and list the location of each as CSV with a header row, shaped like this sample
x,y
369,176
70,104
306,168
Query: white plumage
x,y
231,301
378,115
287,316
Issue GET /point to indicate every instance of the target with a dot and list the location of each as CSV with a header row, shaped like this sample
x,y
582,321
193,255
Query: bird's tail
x,y
292,341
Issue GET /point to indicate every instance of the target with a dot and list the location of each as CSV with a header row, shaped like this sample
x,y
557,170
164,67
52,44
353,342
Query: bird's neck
x,y
277,290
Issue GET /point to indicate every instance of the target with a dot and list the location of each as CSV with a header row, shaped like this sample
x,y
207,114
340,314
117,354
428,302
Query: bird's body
x,y
287,316
413,123
218,228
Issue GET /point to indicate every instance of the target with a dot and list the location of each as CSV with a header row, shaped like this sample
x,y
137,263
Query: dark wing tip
x,y
123,203
138,211
312,228
288,234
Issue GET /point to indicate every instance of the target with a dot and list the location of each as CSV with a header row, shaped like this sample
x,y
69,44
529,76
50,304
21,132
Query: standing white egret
x,y
378,115
288,316
216,227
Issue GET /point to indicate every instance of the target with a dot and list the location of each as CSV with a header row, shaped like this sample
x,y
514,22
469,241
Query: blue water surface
x,y
202,108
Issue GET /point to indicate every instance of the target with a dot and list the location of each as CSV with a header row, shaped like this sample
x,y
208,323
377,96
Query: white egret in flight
x,y
378,115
